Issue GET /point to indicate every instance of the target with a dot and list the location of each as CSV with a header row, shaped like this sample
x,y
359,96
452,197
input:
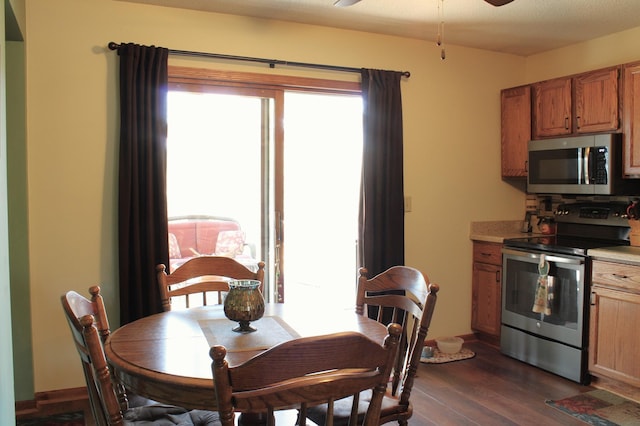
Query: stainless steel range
x,y
546,286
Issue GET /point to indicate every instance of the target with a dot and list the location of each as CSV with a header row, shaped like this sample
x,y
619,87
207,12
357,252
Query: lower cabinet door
x,y
614,341
486,298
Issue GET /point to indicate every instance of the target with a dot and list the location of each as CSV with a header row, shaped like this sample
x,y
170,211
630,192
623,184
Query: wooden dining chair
x,y
201,276
306,371
76,306
403,295
107,398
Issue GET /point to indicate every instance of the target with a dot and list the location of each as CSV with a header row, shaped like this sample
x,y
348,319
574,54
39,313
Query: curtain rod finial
x,y
113,45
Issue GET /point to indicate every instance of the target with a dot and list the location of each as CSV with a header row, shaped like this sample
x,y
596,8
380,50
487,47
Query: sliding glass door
x,y
284,165
219,153
322,167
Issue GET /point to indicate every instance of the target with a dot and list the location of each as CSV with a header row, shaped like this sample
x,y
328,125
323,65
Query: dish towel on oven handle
x,y
542,302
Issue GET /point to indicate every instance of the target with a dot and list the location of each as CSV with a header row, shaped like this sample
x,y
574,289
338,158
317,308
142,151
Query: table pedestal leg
x,y
252,419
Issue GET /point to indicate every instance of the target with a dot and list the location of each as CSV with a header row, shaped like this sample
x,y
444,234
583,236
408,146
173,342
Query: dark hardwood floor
x,y
489,389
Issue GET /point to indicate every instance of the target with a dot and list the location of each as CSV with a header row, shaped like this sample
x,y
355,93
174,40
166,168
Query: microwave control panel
x,y
600,171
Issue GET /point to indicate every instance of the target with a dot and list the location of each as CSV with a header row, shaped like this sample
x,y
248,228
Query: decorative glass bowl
x,y
244,303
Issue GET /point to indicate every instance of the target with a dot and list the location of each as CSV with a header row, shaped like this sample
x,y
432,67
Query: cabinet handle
x,y
593,298
566,123
498,277
620,276
486,254
577,122
526,166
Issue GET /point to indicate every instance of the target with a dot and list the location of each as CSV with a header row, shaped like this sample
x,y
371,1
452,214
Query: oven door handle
x,y
548,258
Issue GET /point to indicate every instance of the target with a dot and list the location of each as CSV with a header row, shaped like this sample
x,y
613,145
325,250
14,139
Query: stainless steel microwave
x,y
588,165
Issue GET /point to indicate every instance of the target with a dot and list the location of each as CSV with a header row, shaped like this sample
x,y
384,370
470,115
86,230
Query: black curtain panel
x,y
381,231
142,199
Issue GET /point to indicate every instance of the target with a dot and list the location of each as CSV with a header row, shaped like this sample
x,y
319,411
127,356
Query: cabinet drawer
x,y
625,277
487,253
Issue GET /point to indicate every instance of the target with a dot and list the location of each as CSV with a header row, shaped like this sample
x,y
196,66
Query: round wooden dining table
x,y
165,357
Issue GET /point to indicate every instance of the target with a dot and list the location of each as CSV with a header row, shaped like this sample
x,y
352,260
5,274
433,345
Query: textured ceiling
x,y
523,27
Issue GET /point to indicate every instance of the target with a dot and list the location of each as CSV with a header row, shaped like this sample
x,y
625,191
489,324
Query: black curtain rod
x,y
272,62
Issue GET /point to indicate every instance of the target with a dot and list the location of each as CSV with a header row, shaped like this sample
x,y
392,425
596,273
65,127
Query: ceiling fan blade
x,y
345,3
498,2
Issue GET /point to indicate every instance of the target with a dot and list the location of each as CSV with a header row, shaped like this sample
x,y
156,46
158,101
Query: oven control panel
x,y
608,214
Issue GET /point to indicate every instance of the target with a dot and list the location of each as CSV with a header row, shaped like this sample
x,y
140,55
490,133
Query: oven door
x,y
564,320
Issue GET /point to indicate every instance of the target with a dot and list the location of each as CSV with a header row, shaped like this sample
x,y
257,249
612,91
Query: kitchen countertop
x,y
497,231
617,253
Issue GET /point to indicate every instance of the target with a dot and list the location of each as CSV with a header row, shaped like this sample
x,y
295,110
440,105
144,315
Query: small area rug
x,y
600,408
66,419
440,357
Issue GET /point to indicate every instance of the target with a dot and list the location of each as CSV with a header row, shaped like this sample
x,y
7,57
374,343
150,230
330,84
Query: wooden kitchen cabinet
x,y
614,341
597,101
631,118
515,130
552,108
584,103
486,302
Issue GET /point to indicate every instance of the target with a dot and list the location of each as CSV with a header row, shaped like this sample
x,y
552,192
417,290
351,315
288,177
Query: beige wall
x,y
603,52
452,134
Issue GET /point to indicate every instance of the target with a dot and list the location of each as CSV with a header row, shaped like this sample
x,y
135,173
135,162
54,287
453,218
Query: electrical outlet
x,y
407,203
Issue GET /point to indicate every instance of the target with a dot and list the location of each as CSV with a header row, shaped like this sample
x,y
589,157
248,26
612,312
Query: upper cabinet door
x,y
515,130
552,108
631,119
596,100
